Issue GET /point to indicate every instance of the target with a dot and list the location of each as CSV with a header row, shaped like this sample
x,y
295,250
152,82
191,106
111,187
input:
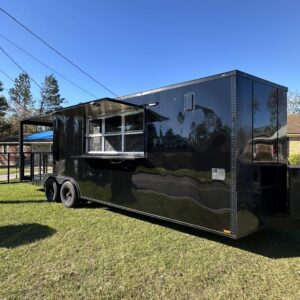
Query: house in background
x,y
40,142
293,134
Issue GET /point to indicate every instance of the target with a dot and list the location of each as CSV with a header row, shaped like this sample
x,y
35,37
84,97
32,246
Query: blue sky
x,y
135,45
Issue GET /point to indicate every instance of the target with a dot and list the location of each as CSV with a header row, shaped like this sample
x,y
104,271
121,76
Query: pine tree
x,y
4,125
21,101
3,102
51,100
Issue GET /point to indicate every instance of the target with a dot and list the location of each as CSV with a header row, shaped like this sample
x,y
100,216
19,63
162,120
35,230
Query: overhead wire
x,y
18,65
11,79
47,66
58,52
5,74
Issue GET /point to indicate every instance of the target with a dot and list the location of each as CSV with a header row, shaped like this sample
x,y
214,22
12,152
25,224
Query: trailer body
x,y
209,153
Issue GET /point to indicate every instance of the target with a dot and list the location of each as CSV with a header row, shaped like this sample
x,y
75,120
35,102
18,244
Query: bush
x,y
294,159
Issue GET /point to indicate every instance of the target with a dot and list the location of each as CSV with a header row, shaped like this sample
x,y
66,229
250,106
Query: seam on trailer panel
x,y
233,156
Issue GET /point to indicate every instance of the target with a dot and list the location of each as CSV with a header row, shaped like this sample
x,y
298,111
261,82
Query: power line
x,y
58,53
34,81
10,78
4,73
47,66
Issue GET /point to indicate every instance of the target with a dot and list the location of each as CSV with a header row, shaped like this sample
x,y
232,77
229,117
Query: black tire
x,y
51,190
68,195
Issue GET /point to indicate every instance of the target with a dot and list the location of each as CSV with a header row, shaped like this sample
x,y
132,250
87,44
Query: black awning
x,y
106,107
43,120
97,108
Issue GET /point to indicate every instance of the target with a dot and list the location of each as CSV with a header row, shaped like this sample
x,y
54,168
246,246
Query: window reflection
x,y
265,140
113,124
96,126
95,143
134,142
113,143
134,122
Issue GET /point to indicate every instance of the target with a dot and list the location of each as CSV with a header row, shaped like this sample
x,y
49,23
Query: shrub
x,y
294,159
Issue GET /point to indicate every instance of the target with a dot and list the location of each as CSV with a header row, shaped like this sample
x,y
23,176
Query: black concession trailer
x,y
210,153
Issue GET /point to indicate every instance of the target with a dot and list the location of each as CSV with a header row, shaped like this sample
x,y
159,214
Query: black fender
x,y
60,180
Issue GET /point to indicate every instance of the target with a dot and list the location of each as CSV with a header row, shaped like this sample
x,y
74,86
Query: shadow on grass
x,y
21,201
12,236
91,204
270,242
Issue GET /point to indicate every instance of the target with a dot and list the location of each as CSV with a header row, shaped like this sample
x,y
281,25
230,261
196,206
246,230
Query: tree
x,y
4,125
21,101
3,102
51,100
294,103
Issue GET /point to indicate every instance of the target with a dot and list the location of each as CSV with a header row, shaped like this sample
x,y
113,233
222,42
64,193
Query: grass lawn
x,y
49,252
3,170
14,170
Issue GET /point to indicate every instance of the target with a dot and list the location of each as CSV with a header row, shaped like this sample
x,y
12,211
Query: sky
x,y
136,45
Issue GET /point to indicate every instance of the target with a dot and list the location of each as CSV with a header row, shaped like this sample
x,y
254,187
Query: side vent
x,y
189,101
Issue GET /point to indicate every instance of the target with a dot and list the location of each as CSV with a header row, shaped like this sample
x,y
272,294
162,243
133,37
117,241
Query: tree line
x,y
21,104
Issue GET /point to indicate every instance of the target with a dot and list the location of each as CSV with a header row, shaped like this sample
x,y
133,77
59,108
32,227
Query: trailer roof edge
x,y
204,79
34,119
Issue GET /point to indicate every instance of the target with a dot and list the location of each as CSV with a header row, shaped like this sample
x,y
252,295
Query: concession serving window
x,y
115,128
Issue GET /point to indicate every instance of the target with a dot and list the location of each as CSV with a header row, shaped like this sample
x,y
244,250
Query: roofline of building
x,y
293,134
24,143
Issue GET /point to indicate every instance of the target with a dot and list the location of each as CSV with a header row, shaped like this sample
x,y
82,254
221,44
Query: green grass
x,y
13,169
49,252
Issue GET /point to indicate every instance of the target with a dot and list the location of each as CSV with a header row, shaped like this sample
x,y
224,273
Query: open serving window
x,y
115,128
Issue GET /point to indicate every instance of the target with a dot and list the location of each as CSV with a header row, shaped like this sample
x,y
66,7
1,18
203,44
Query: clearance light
x,y
152,104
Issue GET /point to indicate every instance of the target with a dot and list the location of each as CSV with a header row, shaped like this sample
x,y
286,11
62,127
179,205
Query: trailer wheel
x,y
68,195
51,190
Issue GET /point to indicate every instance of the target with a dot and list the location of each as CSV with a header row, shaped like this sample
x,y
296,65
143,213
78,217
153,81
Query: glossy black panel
x,y
244,134
248,205
187,134
265,123
175,181
261,182
294,177
174,196
282,126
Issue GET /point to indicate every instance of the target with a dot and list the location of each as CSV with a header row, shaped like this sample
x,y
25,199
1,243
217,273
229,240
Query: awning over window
x,y
42,120
107,106
97,108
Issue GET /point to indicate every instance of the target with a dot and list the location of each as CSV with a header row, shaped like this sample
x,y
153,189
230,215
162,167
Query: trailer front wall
x,y
261,153
174,180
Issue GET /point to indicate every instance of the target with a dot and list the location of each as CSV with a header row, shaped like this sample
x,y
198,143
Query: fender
x,y
60,180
